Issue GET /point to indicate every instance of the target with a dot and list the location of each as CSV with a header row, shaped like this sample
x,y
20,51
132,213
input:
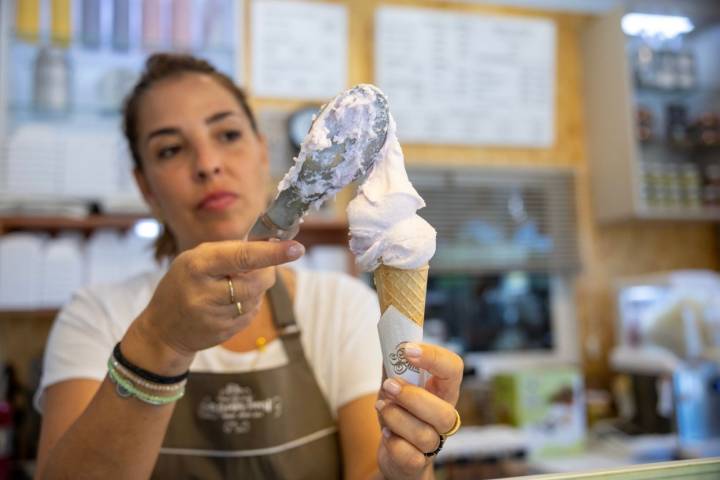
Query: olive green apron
x,y
267,424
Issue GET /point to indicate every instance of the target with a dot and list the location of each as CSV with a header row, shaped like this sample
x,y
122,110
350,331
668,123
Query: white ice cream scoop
x,y
341,146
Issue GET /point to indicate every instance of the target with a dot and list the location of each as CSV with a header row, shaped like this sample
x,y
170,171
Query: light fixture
x,y
648,25
146,228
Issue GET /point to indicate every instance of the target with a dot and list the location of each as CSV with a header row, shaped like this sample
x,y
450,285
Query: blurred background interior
x,y
568,151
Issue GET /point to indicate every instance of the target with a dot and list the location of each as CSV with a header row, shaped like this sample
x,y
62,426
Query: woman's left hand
x,y
413,418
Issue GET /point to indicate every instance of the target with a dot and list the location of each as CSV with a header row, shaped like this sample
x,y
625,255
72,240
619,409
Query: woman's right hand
x,y
191,308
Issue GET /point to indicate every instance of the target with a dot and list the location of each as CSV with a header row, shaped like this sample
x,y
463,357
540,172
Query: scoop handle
x,y
265,229
282,219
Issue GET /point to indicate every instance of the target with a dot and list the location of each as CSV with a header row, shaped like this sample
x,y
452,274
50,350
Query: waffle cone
x,y
403,289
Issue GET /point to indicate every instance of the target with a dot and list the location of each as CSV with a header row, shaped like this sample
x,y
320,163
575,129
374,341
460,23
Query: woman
x,y
262,401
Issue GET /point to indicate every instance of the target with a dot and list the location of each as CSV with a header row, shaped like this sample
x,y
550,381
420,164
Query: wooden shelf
x,y
703,214
55,223
313,230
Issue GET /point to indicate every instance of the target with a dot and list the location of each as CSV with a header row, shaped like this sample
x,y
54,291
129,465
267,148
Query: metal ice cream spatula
x,y
342,145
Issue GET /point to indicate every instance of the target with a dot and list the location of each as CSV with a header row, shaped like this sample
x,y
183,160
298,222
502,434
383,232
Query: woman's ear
x,y
144,187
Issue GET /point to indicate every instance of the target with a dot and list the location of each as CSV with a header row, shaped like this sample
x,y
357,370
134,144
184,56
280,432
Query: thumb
x,y
446,368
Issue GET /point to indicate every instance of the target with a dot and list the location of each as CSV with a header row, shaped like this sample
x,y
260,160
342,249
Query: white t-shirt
x,y
336,313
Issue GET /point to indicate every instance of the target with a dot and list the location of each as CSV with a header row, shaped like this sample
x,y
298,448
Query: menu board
x,y
299,49
459,78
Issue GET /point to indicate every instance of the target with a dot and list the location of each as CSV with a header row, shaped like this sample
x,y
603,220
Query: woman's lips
x,y
217,201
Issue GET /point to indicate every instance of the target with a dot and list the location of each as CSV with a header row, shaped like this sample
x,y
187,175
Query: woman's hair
x,y
159,67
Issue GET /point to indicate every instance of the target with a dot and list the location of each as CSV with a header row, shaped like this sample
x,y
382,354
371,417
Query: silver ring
x,y
238,305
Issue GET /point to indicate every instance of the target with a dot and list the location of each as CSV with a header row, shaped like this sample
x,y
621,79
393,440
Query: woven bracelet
x,y
144,374
157,387
126,389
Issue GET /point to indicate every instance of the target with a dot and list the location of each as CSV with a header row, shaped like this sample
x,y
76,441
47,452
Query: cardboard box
x,y
547,404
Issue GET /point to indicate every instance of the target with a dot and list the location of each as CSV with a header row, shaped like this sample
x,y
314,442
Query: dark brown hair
x,y
158,67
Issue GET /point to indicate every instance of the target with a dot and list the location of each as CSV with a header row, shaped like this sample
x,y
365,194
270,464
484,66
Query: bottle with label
x,y
27,20
91,23
51,82
60,23
216,30
697,389
153,24
677,125
181,24
121,25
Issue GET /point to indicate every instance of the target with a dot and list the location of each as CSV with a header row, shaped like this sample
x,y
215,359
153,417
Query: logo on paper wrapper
x,y
236,407
395,330
399,363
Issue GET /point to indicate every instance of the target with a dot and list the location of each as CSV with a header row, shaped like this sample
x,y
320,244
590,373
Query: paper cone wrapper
x,y
402,303
403,289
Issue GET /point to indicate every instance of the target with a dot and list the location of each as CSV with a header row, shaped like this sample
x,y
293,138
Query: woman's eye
x,y
168,152
230,135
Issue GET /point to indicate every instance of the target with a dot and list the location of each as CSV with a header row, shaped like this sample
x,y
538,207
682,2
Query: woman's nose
x,y
207,165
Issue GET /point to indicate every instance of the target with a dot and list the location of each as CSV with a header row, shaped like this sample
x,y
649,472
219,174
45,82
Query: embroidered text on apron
x,y
267,424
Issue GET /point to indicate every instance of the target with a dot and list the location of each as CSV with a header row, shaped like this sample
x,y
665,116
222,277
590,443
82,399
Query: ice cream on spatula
x,y
341,146
391,240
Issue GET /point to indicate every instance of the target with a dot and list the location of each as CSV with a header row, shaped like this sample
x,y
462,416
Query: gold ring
x,y
456,426
232,290
237,304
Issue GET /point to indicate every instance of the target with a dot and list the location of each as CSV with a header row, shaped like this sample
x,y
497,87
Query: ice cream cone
x,y
403,289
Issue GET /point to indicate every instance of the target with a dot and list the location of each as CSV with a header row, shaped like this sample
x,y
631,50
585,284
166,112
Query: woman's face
x,y
205,170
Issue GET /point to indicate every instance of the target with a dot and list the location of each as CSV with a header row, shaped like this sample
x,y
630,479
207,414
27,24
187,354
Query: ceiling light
x,y
647,25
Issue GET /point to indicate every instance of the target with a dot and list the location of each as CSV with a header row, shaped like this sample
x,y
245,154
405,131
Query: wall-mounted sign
x,y
459,78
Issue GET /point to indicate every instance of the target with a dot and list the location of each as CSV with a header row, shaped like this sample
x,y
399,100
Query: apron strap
x,y
284,319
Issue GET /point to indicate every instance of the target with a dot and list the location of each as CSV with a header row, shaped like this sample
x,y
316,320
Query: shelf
x,y
54,224
704,214
660,142
314,230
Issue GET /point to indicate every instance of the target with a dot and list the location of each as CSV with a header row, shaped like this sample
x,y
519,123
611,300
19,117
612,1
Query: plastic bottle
x,y
27,20
51,87
121,25
215,24
60,23
153,31
91,23
181,23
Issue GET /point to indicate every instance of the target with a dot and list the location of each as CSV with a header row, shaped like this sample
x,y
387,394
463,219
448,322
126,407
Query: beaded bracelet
x,y
126,389
142,383
144,374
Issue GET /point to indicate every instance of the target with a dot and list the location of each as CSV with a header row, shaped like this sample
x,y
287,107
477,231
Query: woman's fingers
x,y
245,286
446,368
403,459
222,259
421,404
402,423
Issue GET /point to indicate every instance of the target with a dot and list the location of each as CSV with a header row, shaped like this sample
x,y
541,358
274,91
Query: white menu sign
x,y
299,49
459,78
